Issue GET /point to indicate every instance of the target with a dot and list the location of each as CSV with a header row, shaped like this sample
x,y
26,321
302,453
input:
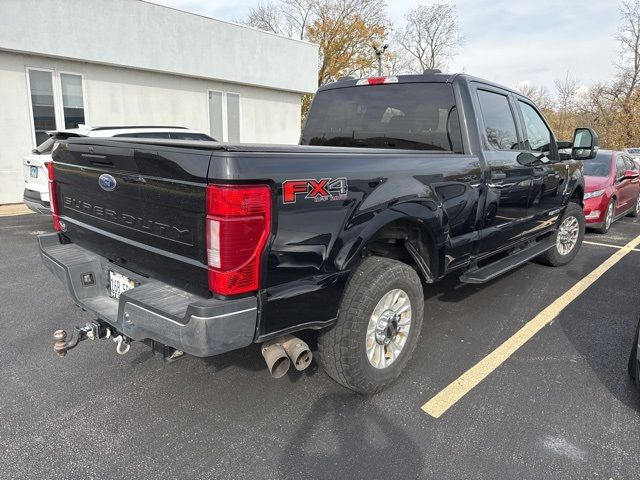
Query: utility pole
x,y
379,52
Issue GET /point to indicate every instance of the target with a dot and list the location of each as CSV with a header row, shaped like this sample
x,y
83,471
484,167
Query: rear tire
x,y
608,218
571,228
353,351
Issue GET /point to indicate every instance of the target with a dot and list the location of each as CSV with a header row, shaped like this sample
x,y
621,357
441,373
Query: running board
x,y
497,268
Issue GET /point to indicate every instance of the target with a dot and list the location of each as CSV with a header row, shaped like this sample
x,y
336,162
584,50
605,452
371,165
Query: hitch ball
x,y
60,342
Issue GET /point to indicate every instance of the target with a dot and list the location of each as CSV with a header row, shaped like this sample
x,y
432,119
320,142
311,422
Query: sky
x,y
506,41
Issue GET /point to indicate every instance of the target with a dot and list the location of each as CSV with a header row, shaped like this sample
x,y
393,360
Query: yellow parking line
x,y
457,389
608,245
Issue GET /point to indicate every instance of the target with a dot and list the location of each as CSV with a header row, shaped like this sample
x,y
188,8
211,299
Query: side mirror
x,y
630,174
585,144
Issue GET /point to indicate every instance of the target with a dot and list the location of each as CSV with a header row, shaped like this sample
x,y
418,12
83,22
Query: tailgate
x,y
141,207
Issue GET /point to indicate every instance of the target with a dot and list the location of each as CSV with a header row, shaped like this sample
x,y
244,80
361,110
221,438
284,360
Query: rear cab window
x,y
418,116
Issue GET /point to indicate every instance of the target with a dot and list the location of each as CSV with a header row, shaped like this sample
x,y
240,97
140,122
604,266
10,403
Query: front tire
x,y
568,238
378,326
608,217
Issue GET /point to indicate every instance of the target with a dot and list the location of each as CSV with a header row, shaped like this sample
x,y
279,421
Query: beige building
x,y
130,62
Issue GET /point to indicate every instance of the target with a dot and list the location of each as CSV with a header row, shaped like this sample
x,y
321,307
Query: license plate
x,y
33,172
119,284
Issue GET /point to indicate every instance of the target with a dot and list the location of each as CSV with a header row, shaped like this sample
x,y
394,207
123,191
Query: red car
x,y
612,189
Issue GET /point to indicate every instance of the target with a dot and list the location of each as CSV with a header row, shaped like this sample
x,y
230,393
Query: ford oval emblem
x,y
107,182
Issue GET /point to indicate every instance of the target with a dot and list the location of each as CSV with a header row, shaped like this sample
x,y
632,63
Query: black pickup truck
x,y
202,248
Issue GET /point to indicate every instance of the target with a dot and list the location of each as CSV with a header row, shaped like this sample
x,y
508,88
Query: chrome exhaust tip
x,y
297,350
276,358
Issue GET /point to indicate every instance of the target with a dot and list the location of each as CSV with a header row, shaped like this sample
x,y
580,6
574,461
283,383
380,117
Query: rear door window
x,y
419,116
499,123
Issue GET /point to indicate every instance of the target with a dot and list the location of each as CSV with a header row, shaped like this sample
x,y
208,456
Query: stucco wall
x,y
116,96
141,35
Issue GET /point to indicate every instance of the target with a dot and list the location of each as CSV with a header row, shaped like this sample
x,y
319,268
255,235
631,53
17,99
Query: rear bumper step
x,y
152,310
497,268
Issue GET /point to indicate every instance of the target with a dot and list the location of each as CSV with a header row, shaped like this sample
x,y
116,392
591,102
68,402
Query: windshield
x,y
599,166
633,151
420,116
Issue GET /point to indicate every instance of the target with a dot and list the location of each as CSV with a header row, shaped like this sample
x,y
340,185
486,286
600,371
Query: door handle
x,y
498,175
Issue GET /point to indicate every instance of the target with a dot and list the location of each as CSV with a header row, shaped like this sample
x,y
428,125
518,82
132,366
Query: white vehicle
x,y
633,152
36,182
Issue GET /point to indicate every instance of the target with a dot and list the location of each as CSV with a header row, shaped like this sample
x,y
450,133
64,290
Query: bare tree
x,y
566,93
344,30
539,95
430,37
265,16
296,17
629,39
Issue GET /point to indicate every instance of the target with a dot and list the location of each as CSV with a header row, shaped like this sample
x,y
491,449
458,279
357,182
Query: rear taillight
x,y
238,227
53,197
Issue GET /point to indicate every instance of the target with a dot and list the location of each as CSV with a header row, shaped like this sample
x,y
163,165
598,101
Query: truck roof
x,y
430,76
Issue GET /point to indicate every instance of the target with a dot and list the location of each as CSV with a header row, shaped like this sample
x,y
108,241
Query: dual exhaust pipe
x,y
280,352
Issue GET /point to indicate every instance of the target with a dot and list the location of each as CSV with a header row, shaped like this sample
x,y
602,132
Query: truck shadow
x,y
364,443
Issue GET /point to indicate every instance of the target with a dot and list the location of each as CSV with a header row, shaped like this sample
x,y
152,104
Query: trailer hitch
x,y
91,331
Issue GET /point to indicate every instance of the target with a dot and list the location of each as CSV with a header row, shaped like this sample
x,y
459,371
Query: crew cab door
x,y
540,151
508,181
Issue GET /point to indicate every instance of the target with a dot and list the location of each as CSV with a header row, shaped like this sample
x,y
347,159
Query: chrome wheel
x,y
638,206
608,220
568,235
388,328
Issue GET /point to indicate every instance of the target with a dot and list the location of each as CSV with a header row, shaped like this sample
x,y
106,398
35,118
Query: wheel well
x,y
392,240
577,196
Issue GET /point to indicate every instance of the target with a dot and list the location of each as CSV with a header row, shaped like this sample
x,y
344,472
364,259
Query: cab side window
x,y
499,124
538,135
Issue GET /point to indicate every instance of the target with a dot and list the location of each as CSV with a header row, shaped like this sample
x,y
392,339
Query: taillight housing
x,y
238,228
53,197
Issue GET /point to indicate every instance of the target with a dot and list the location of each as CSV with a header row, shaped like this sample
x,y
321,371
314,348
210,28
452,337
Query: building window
x,y
57,101
42,105
72,101
224,116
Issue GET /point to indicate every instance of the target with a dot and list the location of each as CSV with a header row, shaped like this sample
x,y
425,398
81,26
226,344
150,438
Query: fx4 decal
x,y
318,190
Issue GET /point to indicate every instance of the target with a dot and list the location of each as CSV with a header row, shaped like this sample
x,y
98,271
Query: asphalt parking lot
x,y
561,406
